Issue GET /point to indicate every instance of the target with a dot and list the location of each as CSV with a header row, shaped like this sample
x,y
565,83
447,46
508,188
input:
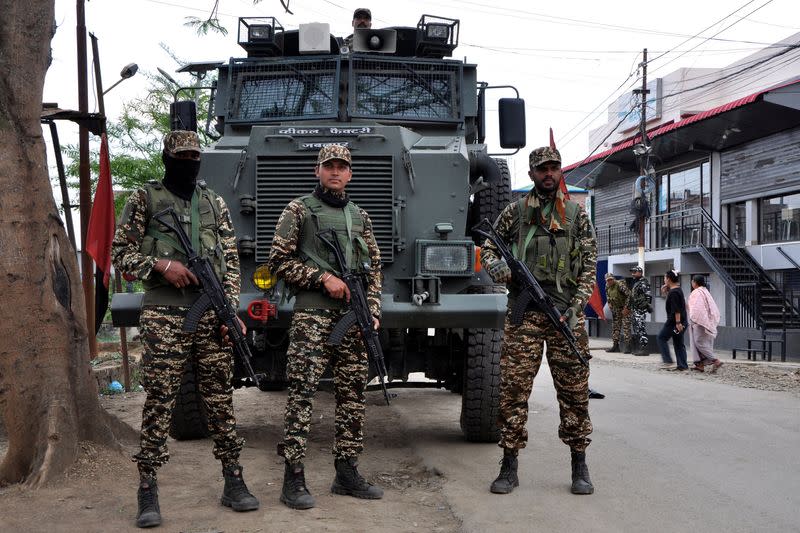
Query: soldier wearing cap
x,y
556,240
617,294
640,303
310,271
146,250
362,18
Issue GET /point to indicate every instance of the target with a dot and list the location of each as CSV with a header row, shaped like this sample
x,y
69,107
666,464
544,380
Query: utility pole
x,y
87,268
644,155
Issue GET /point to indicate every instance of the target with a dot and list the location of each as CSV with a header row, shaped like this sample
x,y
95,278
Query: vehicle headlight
x,y
263,278
445,258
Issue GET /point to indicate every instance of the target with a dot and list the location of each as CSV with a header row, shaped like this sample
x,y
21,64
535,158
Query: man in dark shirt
x,y
676,323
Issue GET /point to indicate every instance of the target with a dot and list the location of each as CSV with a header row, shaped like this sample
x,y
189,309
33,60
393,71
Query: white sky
x,y
567,58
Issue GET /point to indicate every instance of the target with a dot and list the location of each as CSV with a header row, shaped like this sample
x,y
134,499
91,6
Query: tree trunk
x,y
48,398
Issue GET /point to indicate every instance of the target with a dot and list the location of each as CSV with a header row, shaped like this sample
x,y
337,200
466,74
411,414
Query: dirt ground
x,y
99,493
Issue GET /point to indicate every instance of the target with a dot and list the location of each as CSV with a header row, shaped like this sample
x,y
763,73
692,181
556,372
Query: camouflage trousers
x,y
166,350
638,329
620,322
307,358
520,359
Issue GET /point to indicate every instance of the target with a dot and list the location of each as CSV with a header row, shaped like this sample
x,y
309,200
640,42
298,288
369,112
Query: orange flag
x,y
595,300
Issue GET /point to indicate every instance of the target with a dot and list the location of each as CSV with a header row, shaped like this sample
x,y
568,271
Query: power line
x,y
720,31
552,19
695,36
610,133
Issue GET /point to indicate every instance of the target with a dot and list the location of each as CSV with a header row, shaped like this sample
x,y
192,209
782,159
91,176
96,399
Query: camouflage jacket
x,y
131,228
505,227
618,294
285,262
641,298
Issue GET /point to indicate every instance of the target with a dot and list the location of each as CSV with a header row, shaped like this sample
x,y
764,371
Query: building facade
x,y
723,190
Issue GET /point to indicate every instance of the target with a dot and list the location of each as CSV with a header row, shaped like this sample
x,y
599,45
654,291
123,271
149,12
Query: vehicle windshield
x,y
308,89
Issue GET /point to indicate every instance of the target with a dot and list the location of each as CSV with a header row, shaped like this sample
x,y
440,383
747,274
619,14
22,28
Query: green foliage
x,y
135,138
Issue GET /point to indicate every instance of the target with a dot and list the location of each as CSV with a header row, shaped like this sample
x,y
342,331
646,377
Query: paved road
x,y
670,454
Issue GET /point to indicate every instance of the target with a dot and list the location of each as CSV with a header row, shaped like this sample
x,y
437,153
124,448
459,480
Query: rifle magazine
x,y
196,312
342,327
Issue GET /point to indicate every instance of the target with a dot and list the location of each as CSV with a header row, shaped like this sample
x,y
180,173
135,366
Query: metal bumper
x,y
452,311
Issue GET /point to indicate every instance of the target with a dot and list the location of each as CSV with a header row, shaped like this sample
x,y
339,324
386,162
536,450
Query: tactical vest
x,y
554,258
313,252
200,220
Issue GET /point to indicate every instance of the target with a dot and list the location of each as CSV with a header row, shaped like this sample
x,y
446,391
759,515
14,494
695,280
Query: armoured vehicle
x,y
414,122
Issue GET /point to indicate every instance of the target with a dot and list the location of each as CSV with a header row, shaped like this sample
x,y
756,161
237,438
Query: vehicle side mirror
x,y
512,122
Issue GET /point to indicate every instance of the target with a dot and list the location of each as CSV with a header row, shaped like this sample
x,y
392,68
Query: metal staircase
x,y
762,304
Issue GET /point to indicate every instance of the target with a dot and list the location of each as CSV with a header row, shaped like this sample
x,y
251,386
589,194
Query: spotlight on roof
x,y
257,36
436,36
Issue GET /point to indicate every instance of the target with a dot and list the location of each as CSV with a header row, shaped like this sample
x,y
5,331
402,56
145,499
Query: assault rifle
x,y
531,293
358,310
213,296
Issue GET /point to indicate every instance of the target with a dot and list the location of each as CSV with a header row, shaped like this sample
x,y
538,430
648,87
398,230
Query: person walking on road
x,y
675,326
308,267
555,238
142,247
617,295
703,319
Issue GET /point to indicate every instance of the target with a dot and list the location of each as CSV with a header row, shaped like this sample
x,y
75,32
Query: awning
x,y
752,117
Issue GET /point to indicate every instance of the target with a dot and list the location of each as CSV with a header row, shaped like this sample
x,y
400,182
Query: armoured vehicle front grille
x,y
279,180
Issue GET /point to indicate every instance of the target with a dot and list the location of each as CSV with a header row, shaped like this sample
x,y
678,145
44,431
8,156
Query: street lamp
x,y
127,71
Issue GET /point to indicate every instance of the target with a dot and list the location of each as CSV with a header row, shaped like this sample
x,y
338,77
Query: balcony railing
x,y
688,228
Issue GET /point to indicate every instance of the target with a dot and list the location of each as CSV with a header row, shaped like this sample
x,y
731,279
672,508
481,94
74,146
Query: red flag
x,y
101,233
595,300
596,303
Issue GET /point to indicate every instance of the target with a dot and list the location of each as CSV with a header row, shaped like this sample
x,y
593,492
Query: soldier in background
x,y
557,242
309,268
617,295
150,252
640,303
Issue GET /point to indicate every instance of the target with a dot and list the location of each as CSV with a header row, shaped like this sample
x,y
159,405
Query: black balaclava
x,y
331,198
180,175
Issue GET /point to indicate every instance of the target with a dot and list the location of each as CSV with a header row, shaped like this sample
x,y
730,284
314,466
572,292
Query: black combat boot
x,y
294,493
149,514
628,347
614,347
641,349
581,484
507,479
235,494
349,482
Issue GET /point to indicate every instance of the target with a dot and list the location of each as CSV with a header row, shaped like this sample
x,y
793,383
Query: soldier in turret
x,y
308,267
145,249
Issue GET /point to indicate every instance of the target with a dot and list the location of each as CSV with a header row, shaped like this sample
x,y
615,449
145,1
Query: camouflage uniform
x,y
315,314
640,304
617,296
166,347
522,350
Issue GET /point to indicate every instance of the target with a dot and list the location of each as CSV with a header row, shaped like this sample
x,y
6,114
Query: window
x,y
779,218
736,223
679,195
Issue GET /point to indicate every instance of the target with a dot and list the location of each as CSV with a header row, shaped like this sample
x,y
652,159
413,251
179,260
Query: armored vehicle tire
x,y
489,203
480,393
189,420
